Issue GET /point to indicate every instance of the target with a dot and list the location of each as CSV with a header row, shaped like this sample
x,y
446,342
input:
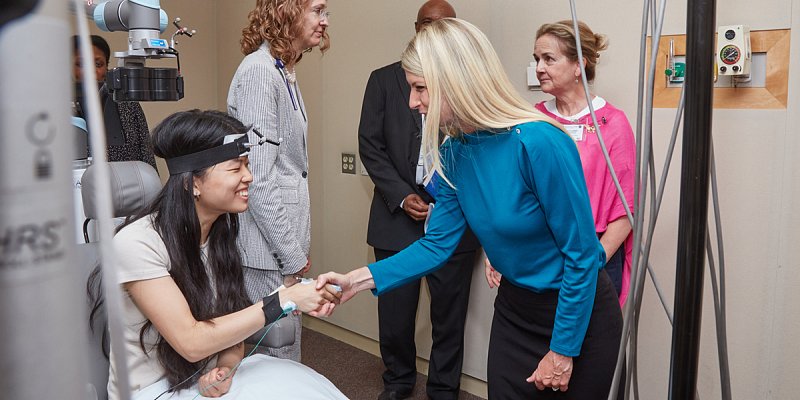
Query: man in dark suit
x,y
389,144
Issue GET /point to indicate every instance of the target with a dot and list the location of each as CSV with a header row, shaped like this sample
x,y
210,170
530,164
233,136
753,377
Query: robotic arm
x,y
144,20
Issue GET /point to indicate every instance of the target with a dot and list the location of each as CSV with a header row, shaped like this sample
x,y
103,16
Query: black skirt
x,y
521,330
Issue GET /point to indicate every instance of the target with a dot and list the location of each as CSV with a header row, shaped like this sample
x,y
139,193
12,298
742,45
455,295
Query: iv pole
x,y
693,216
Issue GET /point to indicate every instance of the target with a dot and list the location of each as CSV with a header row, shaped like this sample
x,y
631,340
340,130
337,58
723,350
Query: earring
x,y
196,194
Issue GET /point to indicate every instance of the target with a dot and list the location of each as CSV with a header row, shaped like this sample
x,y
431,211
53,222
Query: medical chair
x,y
134,185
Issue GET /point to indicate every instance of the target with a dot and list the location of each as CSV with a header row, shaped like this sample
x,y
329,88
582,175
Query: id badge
x,y
575,131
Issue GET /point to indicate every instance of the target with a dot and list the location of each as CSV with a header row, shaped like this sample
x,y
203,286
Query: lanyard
x,y
295,102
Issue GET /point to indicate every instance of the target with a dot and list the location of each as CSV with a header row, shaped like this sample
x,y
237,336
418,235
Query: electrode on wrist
x,y
272,309
288,307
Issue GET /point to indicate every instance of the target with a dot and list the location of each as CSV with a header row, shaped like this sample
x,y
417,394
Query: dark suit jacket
x,y
388,142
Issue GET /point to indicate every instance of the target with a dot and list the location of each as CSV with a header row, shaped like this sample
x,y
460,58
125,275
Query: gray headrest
x,y
134,184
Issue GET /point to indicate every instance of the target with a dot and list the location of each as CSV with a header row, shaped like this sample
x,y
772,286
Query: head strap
x,y
233,146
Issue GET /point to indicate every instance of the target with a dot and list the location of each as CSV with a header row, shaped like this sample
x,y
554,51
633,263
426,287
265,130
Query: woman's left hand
x,y
554,371
492,276
216,382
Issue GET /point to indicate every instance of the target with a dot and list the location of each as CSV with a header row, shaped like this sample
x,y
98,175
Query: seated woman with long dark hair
x,y
186,312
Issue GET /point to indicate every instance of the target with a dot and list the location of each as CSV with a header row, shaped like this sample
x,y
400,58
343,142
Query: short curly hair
x,y
277,22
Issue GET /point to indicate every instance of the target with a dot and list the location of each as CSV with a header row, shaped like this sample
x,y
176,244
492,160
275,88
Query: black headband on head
x,y
234,147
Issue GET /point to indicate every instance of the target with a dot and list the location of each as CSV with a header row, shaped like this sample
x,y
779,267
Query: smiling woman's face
x,y
419,100
223,188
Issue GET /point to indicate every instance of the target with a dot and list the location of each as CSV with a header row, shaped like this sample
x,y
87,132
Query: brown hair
x,y
277,22
591,43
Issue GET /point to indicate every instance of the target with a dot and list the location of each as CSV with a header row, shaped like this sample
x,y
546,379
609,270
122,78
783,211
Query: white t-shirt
x,y
140,255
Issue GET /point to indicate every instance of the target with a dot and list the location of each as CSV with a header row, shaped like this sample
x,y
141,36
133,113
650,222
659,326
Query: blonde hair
x,y
460,67
591,43
277,22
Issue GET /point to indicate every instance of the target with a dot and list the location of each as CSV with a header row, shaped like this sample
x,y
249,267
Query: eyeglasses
x,y
323,14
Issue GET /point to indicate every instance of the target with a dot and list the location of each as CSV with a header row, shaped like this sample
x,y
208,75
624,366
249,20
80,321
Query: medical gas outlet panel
x,y
733,50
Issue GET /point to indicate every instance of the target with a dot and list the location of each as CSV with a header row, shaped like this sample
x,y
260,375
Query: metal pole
x,y
42,306
692,224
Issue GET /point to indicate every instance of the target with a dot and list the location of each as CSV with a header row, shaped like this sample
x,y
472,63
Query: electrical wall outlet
x,y
348,163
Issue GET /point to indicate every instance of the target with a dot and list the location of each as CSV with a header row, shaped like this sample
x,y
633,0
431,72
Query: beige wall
x,y
756,163
755,152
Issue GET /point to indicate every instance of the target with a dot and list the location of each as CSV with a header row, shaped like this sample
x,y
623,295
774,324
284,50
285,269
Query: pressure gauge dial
x,y
730,54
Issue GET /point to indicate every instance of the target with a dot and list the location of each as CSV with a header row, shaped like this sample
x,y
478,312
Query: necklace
x,y
288,74
291,76
291,80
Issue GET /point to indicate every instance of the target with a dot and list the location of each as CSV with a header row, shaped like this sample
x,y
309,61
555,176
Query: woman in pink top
x,y
559,73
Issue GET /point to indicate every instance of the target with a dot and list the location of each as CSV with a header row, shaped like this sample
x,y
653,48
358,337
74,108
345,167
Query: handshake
x,y
299,294
319,297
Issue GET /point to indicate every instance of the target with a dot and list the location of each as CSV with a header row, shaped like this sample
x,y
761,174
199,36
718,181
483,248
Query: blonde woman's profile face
x,y
419,99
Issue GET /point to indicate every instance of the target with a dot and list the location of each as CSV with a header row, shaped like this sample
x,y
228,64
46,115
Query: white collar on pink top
x,y
550,105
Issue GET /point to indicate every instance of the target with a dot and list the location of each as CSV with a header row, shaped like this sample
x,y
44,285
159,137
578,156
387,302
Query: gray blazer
x,y
275,231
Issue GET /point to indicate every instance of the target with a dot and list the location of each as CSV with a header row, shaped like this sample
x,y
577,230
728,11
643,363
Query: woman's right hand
x,y
351,283
215,383
554,371
492,276
343,281
308,298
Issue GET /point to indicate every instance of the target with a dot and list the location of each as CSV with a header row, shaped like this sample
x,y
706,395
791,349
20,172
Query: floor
x,y
355,372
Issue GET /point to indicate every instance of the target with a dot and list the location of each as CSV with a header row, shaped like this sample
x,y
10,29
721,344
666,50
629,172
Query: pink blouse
x,y
617,134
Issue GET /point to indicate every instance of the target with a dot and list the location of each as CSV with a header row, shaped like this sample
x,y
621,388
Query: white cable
x,y
719,295
635,300
639,193
646,148
113,293
641,263
628,308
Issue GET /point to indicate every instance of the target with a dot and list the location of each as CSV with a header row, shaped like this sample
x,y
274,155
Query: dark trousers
x,y
397,312
520,338
615,266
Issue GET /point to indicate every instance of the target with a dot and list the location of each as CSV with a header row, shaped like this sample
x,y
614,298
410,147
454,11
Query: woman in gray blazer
x,y
275,231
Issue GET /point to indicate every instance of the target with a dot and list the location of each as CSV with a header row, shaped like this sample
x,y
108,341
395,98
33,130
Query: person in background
x,y
275,232
389,144
185,312
515,178
127,134
559,73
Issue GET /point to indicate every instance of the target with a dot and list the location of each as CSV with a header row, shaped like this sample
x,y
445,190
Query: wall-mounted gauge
x,y
733,50
730,54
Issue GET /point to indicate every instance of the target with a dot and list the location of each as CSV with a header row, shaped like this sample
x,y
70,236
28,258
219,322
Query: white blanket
x,y
260,377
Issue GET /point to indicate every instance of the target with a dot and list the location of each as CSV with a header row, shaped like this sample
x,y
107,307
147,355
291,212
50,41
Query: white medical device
x,y
733,50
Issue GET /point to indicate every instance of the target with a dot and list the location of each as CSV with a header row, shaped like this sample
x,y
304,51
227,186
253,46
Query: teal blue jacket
x,y
523,194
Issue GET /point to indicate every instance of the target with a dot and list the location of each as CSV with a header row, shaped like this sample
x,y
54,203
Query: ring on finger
x,y
555,389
